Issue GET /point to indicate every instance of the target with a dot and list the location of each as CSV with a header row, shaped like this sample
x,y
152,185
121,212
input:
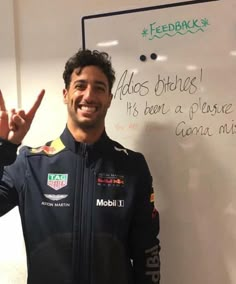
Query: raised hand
x,y
14,126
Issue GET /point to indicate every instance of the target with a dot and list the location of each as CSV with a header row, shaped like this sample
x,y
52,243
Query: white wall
x,y
8,78
12,255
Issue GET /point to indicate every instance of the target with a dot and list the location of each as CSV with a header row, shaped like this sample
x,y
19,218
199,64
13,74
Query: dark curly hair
x,y
88,57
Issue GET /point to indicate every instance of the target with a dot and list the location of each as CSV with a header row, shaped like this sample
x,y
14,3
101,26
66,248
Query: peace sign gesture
x,y
14,126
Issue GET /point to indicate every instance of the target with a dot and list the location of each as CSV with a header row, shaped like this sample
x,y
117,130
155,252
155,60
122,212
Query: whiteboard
x,y
179,111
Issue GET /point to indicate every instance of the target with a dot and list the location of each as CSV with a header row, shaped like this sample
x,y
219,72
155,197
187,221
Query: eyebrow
x,y
96,82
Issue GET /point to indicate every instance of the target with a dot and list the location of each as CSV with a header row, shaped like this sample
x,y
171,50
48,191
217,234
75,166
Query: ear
x,y
65,96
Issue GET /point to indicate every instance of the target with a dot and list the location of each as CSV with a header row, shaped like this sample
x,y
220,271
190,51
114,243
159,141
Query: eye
x,y
100,88
80,86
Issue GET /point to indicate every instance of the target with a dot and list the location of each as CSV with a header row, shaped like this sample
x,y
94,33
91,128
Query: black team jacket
x,y
87,211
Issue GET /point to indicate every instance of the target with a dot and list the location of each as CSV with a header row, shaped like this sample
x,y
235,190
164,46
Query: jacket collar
x,y
102,145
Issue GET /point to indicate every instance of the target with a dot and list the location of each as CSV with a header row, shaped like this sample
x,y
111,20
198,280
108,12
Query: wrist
x,y
8,152
5,141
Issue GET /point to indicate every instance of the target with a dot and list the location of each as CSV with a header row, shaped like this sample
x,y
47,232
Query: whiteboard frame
x,y
137,10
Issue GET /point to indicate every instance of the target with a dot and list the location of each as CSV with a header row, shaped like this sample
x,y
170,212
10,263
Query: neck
x,y
88,136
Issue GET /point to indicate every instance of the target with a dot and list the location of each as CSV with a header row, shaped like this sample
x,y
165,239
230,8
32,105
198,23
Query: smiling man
x,y
88,98
86,202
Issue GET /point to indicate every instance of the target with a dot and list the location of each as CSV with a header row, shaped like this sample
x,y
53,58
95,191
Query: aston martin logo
x,y
55,197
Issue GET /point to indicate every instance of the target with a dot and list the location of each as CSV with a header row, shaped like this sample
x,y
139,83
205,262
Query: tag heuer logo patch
x,y
57,181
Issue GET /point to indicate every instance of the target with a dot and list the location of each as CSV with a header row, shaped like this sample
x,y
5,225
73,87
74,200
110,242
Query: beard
x,y
87,125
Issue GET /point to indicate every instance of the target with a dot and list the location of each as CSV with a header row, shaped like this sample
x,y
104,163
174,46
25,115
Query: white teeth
x,y
88,108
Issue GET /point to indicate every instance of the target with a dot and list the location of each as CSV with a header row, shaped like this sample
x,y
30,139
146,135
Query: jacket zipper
x,y
84,238
87,202
76,221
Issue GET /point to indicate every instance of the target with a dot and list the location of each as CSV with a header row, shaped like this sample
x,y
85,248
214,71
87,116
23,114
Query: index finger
x,y
2,103
36,105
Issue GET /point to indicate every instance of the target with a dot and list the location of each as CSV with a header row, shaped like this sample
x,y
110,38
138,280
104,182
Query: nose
x,y
88,93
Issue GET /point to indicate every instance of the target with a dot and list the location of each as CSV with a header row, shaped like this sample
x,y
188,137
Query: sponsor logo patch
x,y
104,179
46,149
55,147
110,203
58,205
121,150
57,181
152,199
153,264
55,197
154,213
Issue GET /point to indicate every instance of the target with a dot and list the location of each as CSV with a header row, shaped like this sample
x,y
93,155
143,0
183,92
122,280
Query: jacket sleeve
x,y
145,245
8,152
8,194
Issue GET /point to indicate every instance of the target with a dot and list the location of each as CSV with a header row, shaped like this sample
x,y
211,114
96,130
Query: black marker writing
x,y
168,84
154,109
126,86
228,128
132,109
184,131
207,108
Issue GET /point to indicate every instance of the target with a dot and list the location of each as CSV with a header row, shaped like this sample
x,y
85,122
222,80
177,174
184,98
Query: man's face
x,y
88,98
